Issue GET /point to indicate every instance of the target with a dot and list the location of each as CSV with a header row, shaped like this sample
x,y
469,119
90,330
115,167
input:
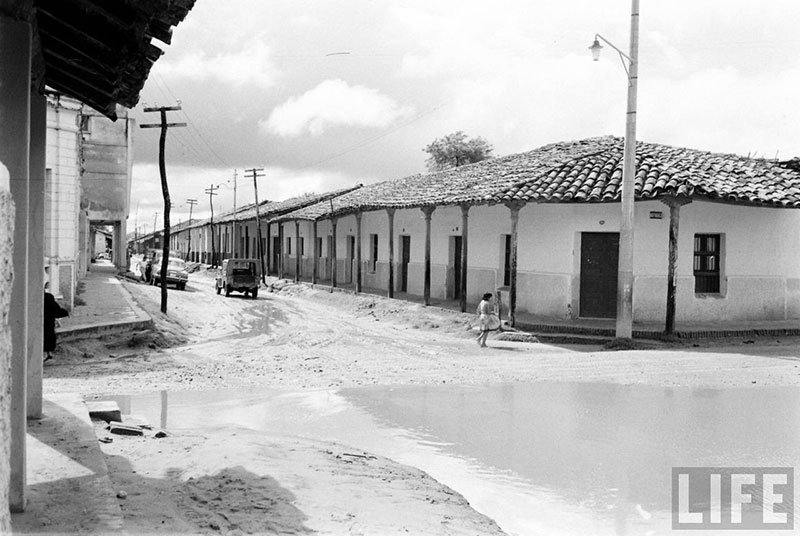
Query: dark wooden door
x,y
456,262
351,255
276,253
599,260
405,258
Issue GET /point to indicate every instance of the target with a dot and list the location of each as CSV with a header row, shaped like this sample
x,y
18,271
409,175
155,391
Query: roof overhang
x,y
97,51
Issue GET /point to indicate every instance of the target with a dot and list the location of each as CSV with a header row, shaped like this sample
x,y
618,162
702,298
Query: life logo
x,y
731,498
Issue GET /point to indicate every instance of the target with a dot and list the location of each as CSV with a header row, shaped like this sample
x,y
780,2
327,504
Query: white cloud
x,y
249,66
333,103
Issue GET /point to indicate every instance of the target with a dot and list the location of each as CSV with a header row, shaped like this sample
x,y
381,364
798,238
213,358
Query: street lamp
x,y
625,270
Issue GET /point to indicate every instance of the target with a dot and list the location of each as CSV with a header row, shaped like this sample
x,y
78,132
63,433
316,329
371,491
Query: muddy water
x,y
543,458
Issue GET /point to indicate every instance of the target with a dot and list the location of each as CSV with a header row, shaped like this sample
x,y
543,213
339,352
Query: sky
x,y
327,94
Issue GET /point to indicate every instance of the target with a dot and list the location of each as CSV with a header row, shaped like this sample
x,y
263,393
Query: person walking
x,y
487,315
52,311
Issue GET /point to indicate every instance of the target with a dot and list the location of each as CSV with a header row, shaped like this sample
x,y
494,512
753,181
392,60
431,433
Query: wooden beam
x,y
428,213
358,251
314,253
674,204
512,291
333,253
280,250
390,213
297,251
462,302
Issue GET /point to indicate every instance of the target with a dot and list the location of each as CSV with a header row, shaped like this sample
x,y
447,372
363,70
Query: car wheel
x,y
254,293
181,286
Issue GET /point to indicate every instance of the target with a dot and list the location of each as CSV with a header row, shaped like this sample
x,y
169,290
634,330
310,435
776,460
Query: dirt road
x,y
297,337
237,481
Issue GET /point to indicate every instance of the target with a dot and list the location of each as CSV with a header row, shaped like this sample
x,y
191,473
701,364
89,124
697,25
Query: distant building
x,y
87,187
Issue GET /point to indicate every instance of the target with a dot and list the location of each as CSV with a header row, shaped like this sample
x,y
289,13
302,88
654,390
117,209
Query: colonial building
x,y
541,227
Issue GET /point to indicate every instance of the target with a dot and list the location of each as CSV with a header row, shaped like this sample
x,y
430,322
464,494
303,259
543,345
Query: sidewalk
x,y
555,329
108,307
66,469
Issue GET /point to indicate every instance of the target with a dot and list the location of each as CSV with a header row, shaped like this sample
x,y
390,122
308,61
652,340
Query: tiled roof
x,y
661,171
583,171
474,184
269,210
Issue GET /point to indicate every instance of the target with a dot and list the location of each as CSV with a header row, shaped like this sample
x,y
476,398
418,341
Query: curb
x,y
92,330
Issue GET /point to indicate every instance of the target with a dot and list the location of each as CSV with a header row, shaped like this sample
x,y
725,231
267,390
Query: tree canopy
x,y
456,150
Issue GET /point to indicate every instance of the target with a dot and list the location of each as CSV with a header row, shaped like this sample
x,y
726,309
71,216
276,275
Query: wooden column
x,y
390,212
427,212
333,253
267,250
358,251
512,291
280,250
314,253
464,243
674,204
297,251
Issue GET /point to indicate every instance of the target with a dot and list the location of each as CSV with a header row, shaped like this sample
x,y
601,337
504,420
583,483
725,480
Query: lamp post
x,y
625,270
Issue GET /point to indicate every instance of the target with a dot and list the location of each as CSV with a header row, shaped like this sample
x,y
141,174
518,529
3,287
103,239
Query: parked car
x,y
176,273
240,275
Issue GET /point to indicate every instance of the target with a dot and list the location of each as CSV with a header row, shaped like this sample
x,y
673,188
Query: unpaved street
x,y
236,481
297,337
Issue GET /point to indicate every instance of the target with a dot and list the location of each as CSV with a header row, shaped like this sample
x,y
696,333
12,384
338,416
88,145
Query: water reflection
x,y
538,458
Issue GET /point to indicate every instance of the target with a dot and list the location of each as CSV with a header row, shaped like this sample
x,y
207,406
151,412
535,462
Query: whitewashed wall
x,y
760,256
62,229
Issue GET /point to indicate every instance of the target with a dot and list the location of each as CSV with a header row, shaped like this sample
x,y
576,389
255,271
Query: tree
x,y
456,150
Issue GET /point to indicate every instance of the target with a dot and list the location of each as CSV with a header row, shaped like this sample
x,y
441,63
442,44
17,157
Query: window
x,y
373,249
301,246
706,263
288,245
85,124
319,247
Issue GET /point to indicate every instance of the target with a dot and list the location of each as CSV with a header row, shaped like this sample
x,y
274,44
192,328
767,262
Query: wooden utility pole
x,y
256,173
162,166
191,203
235,220
212,191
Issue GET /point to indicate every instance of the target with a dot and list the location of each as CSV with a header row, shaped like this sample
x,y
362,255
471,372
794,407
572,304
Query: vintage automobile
x,y
176,273
240,275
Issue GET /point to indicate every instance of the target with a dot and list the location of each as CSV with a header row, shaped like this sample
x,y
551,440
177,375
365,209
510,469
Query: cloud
x,y
333,103
249,66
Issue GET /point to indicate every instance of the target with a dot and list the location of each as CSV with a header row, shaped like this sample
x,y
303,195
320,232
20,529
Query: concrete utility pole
x,y
256,173
191,203
211,191
164,125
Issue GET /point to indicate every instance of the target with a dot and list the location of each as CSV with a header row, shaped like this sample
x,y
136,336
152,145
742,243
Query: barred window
x,y
706,263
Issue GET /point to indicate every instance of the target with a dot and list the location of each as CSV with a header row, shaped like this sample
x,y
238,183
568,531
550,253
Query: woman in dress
x,y
489,321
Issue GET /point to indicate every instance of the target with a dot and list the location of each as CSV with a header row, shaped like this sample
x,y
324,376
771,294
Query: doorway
x,y
405,258
598,285
351,257
455,262
276,254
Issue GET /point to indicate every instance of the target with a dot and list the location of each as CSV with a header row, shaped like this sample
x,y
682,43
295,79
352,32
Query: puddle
x,y
543,458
